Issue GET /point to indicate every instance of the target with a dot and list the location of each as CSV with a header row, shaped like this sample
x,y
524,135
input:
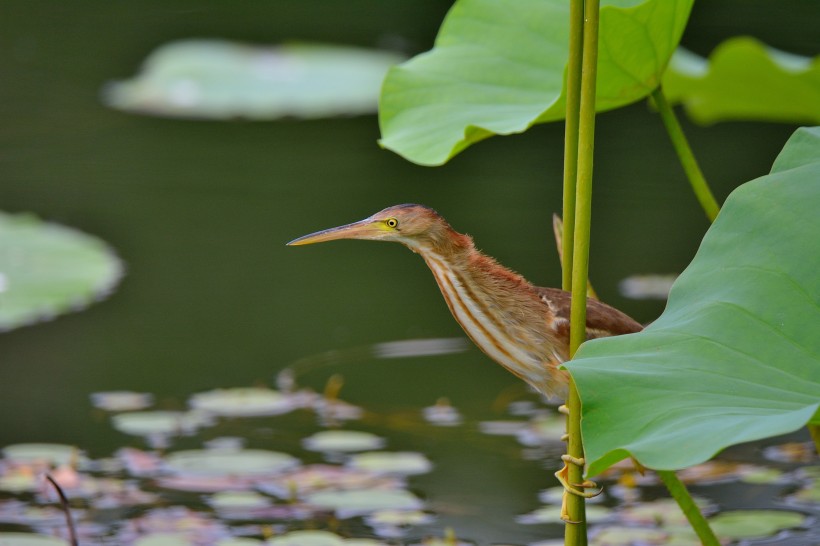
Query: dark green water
x,y
200,212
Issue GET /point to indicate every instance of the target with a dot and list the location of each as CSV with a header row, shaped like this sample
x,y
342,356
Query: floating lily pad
x,y
310,479
343,440
47,269
121,400
356,503
403,463
53,454
807,495
792,452
647,287
147,423
398,518
442,414
307,538
238,500
744,79
163,539
217,79
242,402
628,536
552,514
544,428
664,512
30,539
19,481
754,523
245,462
420,347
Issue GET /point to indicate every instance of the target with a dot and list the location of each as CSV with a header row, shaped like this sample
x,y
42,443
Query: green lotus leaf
x,y
30,539
498,68
754,523
735,356
47,269
217,79
744,79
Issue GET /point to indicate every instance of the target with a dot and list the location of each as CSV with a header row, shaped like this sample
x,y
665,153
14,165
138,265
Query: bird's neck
x,y
498,308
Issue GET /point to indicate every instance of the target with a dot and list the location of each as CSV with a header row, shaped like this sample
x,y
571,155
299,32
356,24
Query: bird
x,y
522,327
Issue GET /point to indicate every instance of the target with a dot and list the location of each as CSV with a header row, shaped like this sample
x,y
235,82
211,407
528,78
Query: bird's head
x,y
415,226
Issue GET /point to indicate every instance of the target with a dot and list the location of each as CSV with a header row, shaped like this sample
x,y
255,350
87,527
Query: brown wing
x,y
602,320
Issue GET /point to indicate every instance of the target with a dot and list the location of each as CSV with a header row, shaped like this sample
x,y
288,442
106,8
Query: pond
x,y
199,213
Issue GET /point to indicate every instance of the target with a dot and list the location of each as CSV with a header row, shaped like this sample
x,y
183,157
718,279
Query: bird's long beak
x,y
364,229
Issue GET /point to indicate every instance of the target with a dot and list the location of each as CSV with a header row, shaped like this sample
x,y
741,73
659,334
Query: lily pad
x,y
312,478
148,423
238,500
30,539
403,463
307,538
217,79
735,356
359,502
53,454
47,269
647,287
163,539
343,440
552,514
242,402
744,79
627,536
498,68
754,523
244,462
121,400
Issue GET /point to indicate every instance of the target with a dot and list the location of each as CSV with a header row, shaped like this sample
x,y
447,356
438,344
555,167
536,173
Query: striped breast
x,y
505,339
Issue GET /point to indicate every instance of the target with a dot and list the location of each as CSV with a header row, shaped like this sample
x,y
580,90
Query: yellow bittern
x,y
522,327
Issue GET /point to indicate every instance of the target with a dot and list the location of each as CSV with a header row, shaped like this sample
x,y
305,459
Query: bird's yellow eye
x,y
392,223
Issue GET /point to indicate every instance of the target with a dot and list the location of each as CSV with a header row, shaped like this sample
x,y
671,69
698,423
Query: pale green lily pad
x,y
498,68
754,523
307,538
745,80
552,514
20,482
239,541
359,502
663,512
217,79
242,402
148,423
807,495
628,536
237,500
30,539
403,462
647,287
163,539
122,400
398,518
47,269
311,478
53,454
244,462
343,440
735,356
